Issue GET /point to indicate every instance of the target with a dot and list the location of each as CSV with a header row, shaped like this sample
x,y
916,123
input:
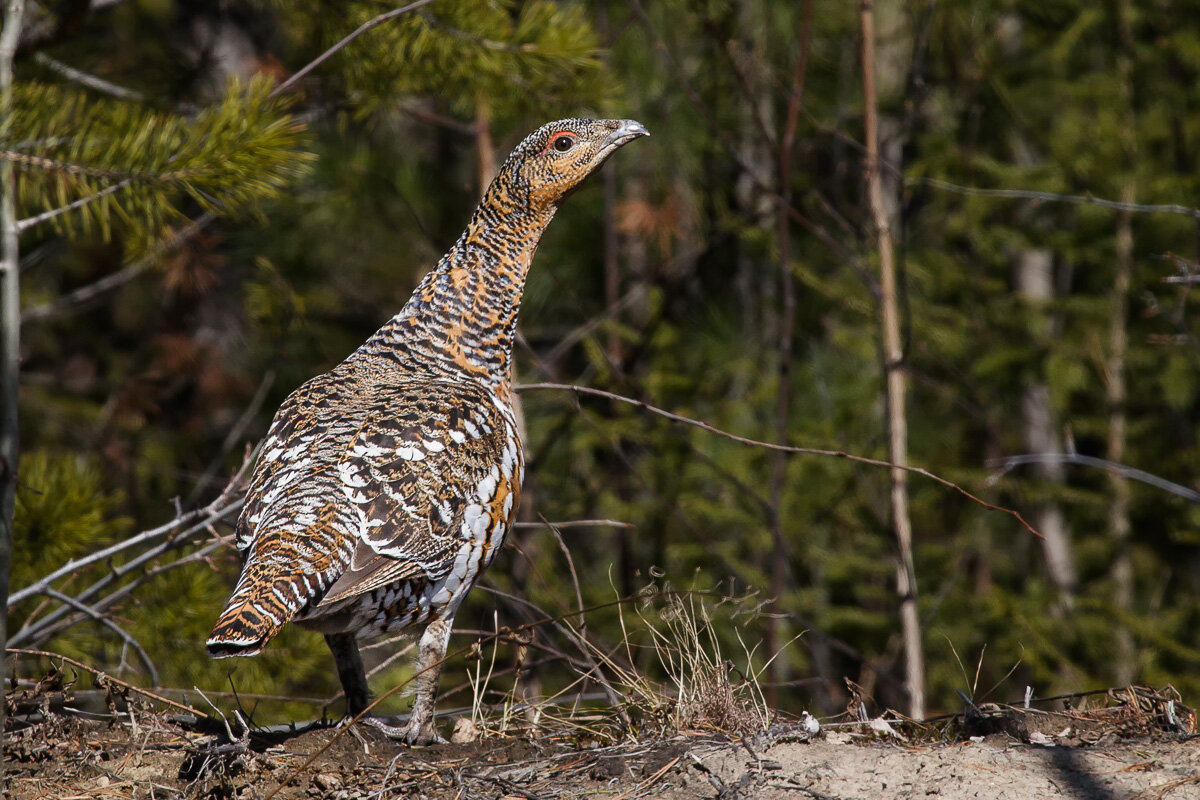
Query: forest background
x,y
199,237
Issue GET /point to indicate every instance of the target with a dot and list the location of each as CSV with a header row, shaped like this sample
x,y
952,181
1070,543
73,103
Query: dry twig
x,y
809,451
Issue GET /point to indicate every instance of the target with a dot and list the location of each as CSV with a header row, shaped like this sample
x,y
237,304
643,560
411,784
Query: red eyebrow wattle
x,y
554,136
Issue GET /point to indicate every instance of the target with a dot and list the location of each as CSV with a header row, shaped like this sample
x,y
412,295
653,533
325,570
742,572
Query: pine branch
x,y
357,32
85,294
108,161
473,47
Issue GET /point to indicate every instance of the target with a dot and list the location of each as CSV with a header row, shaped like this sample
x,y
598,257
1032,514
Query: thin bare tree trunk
x,y
612,268
787,322
10,324
1118,511
485,148
758,163
893,355
1035,284
1125,667
612,264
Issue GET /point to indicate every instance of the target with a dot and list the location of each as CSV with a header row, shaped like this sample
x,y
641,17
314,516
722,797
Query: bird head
x,y
554,159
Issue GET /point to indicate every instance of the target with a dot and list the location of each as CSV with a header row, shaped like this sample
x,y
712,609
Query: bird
x,y
386,486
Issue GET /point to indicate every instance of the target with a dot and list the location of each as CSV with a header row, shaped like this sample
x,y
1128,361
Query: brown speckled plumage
x,y
386,486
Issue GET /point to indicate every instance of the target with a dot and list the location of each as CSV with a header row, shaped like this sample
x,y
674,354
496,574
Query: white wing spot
x,y
349,475
410,454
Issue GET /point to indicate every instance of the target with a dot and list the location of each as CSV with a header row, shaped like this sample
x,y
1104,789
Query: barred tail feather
x,y
241,631
256,612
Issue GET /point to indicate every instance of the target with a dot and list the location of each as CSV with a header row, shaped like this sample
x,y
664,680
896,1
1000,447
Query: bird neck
x,y
462,317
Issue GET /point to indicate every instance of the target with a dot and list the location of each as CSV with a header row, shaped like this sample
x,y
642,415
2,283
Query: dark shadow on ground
x,y
1075,777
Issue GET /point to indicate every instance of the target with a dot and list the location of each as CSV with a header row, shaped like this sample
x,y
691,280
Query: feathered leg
x,y
350,671
430,652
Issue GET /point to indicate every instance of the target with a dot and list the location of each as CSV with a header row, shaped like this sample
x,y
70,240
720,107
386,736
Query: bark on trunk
x,y
1125,661
1035,284
10,324
896,383
485,148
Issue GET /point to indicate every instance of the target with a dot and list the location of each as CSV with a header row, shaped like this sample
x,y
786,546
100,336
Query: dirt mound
x,y
160,756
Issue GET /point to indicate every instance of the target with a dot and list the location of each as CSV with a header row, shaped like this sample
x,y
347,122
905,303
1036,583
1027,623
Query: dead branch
x,y
359,31
576,523
112,626
1054,197
146,549
234,435
808,451
46,216
566,551
54,623
85,294
199,519
87,79
1005,465
101,675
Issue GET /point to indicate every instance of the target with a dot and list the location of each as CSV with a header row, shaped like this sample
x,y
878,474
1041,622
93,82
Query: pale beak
x,y
627,132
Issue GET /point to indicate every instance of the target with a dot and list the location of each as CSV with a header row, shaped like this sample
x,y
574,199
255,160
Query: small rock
x,y
465,731
881,725
327,782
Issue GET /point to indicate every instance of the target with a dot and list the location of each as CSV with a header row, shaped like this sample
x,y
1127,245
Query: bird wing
x,y
360,485
431,473
435,466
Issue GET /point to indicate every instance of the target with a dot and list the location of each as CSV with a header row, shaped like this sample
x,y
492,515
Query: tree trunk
x,y
485,148
896,388
10,325
1035,284
762,321
818,643
1125,657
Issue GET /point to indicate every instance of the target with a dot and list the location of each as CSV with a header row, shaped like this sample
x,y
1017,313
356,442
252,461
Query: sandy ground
x,y
155,757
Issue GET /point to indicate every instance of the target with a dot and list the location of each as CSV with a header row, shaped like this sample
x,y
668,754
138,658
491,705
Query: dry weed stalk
x,y
689,651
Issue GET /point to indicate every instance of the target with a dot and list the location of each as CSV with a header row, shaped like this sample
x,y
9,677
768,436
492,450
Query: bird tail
x,y
257,610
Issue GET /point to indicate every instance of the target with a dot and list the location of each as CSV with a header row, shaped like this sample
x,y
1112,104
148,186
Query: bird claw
x,y
411,734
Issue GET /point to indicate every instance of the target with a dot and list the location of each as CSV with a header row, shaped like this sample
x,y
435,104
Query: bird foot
x,y
413,733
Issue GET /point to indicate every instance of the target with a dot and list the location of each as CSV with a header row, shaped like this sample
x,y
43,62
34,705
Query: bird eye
x,y
563,143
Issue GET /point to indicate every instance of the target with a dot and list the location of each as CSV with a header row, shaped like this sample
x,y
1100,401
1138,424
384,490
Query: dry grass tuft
x,y
710,691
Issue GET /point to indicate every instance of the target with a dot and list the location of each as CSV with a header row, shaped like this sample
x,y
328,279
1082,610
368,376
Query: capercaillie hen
x,y
386,486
